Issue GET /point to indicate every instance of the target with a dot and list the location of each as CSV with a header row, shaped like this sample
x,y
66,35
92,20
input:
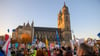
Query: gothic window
x,y
66,18
37,35
68,28
50,37
43,35
60,20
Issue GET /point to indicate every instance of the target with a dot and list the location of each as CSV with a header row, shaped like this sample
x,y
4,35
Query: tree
x,y
26,38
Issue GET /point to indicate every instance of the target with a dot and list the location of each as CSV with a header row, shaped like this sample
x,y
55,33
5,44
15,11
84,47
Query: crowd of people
x,y
36,50
83,50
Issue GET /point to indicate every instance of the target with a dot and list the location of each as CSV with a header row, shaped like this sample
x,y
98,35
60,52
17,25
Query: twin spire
x,y
28,25
64,9
64,5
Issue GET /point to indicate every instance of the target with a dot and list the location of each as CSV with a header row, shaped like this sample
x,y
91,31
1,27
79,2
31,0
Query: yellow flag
x,y
46,43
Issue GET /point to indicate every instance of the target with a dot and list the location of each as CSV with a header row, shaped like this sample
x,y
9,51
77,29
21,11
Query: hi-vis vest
x,y
34,54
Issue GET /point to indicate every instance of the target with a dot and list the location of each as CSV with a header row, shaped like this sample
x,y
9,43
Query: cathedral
x,y
64,29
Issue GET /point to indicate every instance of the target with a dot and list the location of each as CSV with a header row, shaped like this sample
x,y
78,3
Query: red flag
x,y
49,53
6,37
6,46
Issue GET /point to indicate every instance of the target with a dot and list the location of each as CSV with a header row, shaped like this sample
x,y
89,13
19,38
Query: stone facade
x,y
64,29
64,23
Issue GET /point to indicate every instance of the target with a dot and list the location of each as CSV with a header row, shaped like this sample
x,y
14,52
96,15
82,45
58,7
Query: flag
x,y
34,40
6,37
98,35
6,46
46,40
49,54
16,45
57,37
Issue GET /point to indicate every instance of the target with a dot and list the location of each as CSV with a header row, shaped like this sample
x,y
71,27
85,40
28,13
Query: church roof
x,y
50,29
28,25
19,27
60,13
46,29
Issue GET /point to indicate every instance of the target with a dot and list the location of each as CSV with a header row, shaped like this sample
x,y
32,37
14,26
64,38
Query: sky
x,y
84,15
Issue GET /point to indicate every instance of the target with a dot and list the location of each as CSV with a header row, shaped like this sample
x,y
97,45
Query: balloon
x,y
99,35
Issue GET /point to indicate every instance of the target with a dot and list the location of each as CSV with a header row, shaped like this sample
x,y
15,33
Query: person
x,y
9,52
39,52
59,52
12,52
25,51
1,52
63,49
33,52
19,53
69,51
45,53
99,51
75,49
54,52
96,50
85,50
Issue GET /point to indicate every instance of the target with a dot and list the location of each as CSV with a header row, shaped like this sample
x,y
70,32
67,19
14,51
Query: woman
x,y
54,52
85,50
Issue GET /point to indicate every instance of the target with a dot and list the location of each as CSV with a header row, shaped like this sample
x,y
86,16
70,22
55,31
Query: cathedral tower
x,y
64,23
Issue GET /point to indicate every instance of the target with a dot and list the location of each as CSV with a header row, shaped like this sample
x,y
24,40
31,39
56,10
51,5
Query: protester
x,y
59,52
26,52
69,51
9,52
45,53
75,49
1,52
39,52
12,52
85,50
19,53
54,52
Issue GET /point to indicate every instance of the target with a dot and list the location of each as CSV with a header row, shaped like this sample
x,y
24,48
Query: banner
x,y
58,39
34,40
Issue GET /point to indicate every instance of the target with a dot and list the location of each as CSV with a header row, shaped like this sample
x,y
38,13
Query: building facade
x,y
64,29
